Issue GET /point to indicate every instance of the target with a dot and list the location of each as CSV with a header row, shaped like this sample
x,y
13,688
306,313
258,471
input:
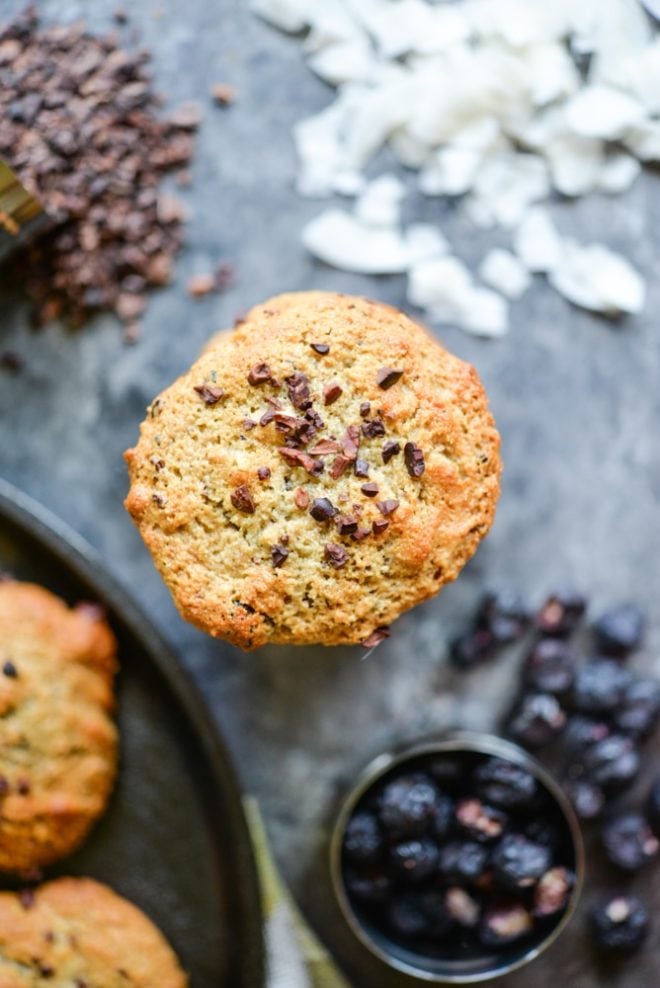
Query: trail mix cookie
x,y
319,470
77,932
58,743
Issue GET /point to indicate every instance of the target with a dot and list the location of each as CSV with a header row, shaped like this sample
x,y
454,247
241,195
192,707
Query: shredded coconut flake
x,y
502,270
598,279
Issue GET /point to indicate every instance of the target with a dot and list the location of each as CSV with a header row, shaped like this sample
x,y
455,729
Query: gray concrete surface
x,y
577,401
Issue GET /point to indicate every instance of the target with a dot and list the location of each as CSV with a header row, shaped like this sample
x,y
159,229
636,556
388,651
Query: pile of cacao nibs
x,y
79,124
457,856
588,715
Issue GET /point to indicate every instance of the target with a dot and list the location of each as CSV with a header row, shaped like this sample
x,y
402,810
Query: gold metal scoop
x,y
21,214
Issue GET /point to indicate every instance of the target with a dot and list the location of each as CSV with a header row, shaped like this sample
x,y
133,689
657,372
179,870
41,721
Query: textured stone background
x,y
577,401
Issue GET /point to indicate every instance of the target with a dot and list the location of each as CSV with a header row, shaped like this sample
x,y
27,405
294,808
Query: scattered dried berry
x,y
587,799
242,500
414,460
553,891
209,393
518,863
504,615
653,806
462,908
406,916
612,763
550,667
600,686
628,841
480,822
505,923
370,887
538,720
620,631
561,613
387,376
638,712
619,924
444,816
582,731
462,861
471,649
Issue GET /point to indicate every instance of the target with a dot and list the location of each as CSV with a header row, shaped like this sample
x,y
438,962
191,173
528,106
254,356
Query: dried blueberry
x,y
505,784
363,842
407,805
407,917
443,817
462,861
600,686
581,731
552,892
472,648
620,924
550,667
639,710
538,720
628,841
504,615
612,763
481,822
461,907
518,863
414,860
653,806
433,905
505,923
587,798
539,831
561,613
446,771
369,887
620,630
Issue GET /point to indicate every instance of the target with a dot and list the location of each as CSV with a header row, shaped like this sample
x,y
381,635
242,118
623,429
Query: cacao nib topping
x,y
373,429
361,533
313,416
298,431
361,468
243,500
414,459
279,555
370,489
336,555
390,448
365,409
297,458
322,509
387,507
301,498
338,466
320,348
159,499
263,473
298,390
284,540
387,376
351,441
331,392
260,374
324,447
379,525
26,897
268,416
377,636
346,525
248,425
9,670
23,787
209,393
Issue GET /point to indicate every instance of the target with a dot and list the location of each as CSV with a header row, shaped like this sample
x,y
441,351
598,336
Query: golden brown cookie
x,y
58,743
77,933
319,470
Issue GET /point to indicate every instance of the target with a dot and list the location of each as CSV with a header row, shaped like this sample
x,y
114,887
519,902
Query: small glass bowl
x,y
488,965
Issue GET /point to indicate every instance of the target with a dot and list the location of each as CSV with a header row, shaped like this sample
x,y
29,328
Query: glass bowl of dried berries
x,y
457,860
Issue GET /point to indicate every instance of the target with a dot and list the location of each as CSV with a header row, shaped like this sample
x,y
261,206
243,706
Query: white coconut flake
x,y
346,61
345,242
509,182
596,278
500,269
602,111
444,289
380,203
576,163
618,173
424,241
644,140
537,242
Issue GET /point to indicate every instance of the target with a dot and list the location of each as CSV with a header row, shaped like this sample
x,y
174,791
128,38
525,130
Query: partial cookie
x,y
77,933
319,470
58,743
